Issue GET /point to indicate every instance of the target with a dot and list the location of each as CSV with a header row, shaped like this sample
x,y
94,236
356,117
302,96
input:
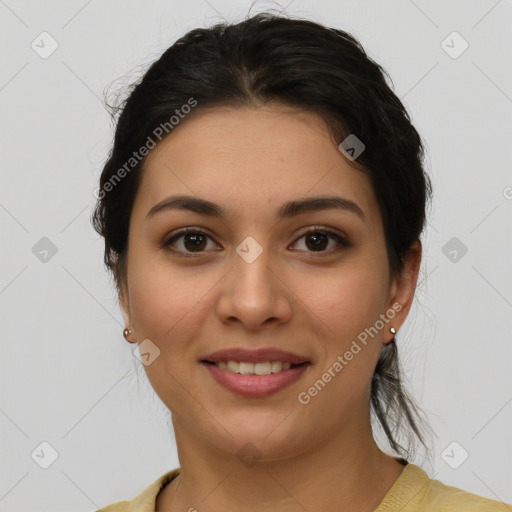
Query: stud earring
x,y
126,333
393,330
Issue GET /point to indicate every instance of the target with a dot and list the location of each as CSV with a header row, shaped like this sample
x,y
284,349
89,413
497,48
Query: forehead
x,y
246,158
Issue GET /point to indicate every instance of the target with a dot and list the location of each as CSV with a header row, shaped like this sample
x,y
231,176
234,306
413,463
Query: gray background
x,y
69,379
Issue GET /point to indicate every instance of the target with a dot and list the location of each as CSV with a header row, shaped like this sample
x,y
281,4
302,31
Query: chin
x,y
264,439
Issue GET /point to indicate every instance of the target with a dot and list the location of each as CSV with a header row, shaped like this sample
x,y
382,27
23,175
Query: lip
x,y
255,385
255,356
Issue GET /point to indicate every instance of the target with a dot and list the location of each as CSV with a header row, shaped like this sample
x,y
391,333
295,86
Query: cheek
x,y
347,301
166,309
166,302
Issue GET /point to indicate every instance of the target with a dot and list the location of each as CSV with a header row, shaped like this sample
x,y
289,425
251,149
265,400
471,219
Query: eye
x,y
194,240
316,240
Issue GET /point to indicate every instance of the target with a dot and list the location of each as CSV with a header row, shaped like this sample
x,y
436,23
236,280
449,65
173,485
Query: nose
x,y
255,293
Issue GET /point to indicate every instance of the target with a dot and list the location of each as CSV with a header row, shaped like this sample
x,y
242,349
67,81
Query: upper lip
x,y
255,356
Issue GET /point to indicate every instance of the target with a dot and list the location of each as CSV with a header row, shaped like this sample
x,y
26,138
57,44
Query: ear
x,y
403,287
124,304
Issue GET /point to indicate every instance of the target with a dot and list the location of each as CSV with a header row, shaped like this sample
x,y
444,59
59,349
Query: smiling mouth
x,y
260,368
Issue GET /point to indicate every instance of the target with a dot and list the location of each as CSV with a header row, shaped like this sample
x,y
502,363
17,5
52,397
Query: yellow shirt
x,y
413,491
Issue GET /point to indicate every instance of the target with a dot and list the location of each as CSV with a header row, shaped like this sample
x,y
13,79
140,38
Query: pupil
x,y
197,241
319,243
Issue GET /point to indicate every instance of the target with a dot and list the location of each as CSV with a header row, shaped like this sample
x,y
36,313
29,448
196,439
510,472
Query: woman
x,y
262,208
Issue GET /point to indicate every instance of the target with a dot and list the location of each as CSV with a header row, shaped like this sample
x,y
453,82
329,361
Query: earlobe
x,y
127,330
392,330
126,334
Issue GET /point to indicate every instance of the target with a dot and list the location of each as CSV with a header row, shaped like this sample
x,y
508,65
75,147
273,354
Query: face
x,y
308,282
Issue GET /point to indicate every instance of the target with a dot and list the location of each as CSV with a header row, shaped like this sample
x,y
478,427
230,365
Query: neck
x,y
346,472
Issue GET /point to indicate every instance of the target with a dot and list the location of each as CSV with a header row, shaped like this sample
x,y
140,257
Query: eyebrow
x,y
287,210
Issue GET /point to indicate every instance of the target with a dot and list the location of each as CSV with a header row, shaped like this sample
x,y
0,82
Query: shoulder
x,y
415,491
446,498
145,501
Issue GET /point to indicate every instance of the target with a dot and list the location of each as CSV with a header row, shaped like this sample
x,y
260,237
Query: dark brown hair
x,y
272,58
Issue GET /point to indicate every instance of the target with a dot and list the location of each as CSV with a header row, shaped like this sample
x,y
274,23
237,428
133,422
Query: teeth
x,y
263,368
276,366
244,368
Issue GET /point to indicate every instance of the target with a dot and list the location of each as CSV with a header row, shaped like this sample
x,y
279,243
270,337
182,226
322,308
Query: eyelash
x,y
166,244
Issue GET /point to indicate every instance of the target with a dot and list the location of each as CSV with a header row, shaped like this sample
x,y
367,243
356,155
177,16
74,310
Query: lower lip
x,y
256,385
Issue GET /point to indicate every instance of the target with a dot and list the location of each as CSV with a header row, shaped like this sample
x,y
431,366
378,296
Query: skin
x,y
250,160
